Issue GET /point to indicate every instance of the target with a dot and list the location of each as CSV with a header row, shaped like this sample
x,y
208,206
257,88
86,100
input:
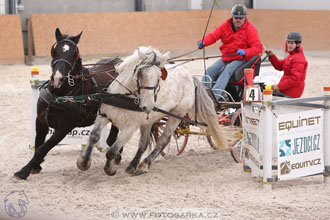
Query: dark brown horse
x,y
69,78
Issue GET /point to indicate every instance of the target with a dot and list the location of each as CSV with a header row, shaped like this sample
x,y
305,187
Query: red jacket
x,y
294,66
246,37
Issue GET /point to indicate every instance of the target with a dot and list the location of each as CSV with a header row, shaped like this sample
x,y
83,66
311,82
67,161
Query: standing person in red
x,y
292,83
240,42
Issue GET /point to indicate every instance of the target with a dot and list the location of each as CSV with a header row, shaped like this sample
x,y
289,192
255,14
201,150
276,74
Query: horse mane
x,y
79,65
141,56
128,64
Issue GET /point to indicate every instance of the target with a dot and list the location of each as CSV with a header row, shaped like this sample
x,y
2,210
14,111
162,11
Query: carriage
x,y
228,108
76,97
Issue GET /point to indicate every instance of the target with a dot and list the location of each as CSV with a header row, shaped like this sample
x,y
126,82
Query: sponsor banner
x,y
268,75
252,128
300,144
76,136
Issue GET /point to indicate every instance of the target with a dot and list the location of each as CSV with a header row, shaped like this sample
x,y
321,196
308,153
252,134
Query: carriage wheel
x,y
179,139
237,150
211,142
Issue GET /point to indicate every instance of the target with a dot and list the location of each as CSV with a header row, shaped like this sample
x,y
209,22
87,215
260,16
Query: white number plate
x,y
252,94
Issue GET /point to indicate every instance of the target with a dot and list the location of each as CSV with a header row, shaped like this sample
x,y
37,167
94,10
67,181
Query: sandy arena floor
x,y
200,180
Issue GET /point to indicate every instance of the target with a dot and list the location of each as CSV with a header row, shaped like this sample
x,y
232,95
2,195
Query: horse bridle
x,y
69,76
137,71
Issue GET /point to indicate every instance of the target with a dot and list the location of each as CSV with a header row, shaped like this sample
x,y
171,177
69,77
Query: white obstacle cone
x,y
326,125
268,140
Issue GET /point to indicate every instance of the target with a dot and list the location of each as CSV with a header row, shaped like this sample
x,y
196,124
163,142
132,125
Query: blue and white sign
x,y
300,144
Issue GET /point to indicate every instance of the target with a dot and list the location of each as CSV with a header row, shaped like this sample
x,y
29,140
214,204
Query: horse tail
x,y
206,113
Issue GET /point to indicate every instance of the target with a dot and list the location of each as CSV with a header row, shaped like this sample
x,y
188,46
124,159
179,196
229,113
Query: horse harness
x,y
72,65
84,109
78,110
138,70
123,100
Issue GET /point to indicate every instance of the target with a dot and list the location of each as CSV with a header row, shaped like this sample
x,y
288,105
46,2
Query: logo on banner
x,y
301,122
247,153
249,156
285,148
285,167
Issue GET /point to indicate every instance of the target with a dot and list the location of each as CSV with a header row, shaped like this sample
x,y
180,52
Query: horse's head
x,y
66,60
148,73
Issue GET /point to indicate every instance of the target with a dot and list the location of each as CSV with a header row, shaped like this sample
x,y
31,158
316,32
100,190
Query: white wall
x,y
292,4
2,7
196,4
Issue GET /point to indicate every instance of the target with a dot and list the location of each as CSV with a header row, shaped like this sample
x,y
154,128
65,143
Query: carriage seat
x,y
254,63
236,83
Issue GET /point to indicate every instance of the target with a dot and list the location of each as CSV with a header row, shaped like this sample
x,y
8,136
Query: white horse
x,y
179,93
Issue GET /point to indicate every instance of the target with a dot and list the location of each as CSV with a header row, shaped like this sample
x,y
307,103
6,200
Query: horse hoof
x,y
130,170
20,176
110,172
110,168
142,169
83,165
36,170
139,172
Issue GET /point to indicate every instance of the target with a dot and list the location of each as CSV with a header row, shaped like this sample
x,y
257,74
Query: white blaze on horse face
x,y
57,77
66,48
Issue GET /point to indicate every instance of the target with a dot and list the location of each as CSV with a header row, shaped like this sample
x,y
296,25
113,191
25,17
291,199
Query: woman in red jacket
x,y
292,83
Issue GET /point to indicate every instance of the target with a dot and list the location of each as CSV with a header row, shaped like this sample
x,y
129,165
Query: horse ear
x,y
58,34
166,55
164,73
141,55
76,38
52,50
77,54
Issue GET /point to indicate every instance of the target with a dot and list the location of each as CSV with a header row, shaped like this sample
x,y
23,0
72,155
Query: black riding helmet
x,y
239,11
294,36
